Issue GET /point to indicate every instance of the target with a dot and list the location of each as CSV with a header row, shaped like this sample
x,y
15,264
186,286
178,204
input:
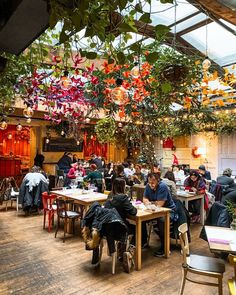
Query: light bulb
x,y
78,142
135,71
62,133
47,140
87,120
206,64
3,125
119,95
19,127
120,125
65,83
28,120
28,112
9,136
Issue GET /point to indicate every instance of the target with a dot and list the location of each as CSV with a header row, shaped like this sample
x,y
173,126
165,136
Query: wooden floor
x,y
32,261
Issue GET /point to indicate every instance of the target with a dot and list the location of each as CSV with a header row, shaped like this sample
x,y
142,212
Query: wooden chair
x,y
232,281
200,265
65,212
48,208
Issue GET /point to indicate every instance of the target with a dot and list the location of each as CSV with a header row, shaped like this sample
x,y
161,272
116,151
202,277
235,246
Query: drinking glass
x,y
134,196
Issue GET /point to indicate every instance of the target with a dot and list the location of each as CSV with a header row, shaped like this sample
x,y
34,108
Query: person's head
x,y
153,180
194,175
138,168
75,157
119,169
202,169
227,172
110,165
126,165
93,167
170,175
75,165
81,166
118,186
131,165
156,168
175,168
170,169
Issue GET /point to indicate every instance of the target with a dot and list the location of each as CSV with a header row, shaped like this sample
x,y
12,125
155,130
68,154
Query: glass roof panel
x,y
165,13
189,22
221,43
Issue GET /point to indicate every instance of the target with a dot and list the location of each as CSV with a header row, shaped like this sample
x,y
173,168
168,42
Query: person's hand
x,y
194,189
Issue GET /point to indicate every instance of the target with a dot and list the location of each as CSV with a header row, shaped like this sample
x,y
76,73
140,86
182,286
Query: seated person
x,y
109,172
81,170
195,183
158,193
95,177
138,176
204,173
178,173
169,180
65,162
73,172
119,173
121,202
226,179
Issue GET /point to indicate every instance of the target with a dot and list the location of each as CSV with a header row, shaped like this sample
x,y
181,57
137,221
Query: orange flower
x,y
126,74
110,81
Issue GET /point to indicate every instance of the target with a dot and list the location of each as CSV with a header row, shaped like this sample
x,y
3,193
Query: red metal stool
x,y
48,207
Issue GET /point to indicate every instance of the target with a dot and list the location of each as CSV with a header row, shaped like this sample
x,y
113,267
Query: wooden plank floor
x,y
32,261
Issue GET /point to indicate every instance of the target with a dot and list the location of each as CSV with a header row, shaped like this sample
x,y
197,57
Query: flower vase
x,y
233,223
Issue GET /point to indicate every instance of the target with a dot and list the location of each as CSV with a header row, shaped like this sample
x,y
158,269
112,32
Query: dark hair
x,y
194,172
155,175
118,186
125,164
38,160
170,175
119,169
93,167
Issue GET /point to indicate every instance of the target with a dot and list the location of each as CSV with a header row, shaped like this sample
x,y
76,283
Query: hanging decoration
x,y
105,130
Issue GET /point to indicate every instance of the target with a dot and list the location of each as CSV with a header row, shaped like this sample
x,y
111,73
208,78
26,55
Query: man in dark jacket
x,y
98,162
226,179
65,162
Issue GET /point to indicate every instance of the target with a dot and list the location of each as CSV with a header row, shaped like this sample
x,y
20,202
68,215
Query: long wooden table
x,y
221,239
145,216
83,199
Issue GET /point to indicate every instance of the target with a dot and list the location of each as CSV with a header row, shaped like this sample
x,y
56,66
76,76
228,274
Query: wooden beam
x,y
184,18
217,9
195,26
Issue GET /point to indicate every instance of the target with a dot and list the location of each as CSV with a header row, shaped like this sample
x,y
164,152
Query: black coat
x,y
97,217
122,205
33,198
65,163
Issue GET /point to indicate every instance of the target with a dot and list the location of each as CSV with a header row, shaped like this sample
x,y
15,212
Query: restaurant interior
x,y
117,147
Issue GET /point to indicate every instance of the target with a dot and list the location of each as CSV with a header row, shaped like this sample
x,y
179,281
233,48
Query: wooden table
x,y
145,216
221,239
186,197
80,198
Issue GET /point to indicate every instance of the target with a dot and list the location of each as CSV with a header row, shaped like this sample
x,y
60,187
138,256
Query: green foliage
x,y
105,130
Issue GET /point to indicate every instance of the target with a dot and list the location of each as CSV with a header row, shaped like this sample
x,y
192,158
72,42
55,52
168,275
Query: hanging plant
x,y
105,130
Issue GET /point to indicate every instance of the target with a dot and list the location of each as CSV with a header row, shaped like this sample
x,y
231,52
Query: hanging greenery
x,y
105,130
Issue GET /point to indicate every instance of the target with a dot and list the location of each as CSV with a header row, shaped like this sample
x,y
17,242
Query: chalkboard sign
x,y
60,144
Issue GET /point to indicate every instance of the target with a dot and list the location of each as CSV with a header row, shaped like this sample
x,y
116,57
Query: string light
x,y
3,124
28,112
19,127
119,94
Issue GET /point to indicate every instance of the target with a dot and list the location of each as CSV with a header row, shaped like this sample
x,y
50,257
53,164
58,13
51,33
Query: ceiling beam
x,y
195,26
217,9
184,18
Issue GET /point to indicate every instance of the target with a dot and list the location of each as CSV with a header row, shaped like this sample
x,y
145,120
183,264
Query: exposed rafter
x,y
217,9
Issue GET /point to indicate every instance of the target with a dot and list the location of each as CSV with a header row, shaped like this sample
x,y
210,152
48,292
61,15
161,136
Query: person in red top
x,y
81,170
195,183
73,172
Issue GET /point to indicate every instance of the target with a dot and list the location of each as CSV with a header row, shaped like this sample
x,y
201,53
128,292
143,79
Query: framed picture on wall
x,y
60,144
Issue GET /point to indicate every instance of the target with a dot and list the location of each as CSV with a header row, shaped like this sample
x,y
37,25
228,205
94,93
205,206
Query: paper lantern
x,y
119,95
28,112
206,64
19,127
3,125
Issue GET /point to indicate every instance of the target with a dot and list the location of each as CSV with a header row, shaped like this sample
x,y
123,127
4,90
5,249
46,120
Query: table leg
x,y
167,234
138,245
202,211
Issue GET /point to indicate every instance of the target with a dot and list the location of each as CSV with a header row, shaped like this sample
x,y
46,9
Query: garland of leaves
x,y
105,130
